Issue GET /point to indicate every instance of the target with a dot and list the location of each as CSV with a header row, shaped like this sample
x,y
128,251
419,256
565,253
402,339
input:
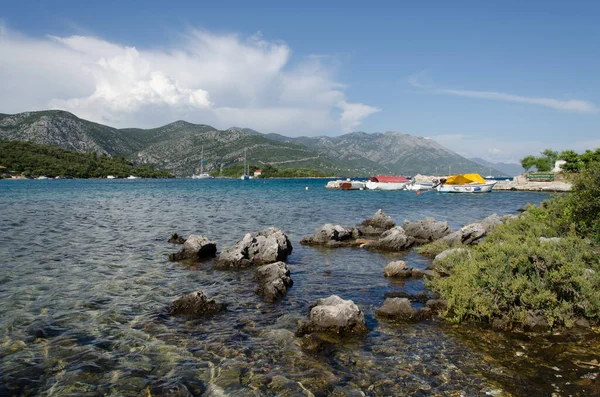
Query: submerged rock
x,y
274,280
335,315
426,230
267,246
401,309
394,239
195,304
176,239
535,321
397,269
195,247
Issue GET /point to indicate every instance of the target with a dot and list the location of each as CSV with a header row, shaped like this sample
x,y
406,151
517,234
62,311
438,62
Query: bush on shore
x,y
543,263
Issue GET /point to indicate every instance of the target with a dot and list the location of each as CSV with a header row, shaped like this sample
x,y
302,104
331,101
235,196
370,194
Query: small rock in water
x,y
196,304
176,239
195,247
336,316
274,280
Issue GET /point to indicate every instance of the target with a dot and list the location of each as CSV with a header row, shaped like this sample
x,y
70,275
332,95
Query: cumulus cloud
x,y
218,79
420,80
353,113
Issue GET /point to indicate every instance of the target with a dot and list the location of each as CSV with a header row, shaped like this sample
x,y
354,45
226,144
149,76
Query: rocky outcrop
x,y
195,304
336,316
391,240
176,239
274,280
426,230
267,246
332,236
401,309
467,234
491,222
377,224
397,269
195,247
472,232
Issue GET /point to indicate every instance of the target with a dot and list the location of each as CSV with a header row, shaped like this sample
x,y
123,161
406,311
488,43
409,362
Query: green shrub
x,y
432,249
582,206
512,273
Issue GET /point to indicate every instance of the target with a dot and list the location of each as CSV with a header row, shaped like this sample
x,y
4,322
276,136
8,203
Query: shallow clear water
x,y
84,281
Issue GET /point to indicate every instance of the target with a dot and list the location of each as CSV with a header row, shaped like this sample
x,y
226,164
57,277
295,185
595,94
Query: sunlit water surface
x,y
85,280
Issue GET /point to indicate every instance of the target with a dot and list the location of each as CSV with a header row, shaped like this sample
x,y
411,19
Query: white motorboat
x,y
387,182
467,183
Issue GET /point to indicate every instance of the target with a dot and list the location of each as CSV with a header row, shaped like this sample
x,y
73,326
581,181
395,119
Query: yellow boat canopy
x,y
464,179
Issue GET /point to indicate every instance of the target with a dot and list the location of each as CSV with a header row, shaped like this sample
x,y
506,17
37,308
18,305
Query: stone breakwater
x,y
518,183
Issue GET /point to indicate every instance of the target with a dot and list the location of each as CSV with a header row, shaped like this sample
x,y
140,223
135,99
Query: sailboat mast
x,y
202,160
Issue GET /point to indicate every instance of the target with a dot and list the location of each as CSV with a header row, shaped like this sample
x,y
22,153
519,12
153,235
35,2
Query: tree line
x,y
574,162
33,160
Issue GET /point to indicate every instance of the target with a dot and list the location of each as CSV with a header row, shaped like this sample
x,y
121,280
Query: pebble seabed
x,y
75,324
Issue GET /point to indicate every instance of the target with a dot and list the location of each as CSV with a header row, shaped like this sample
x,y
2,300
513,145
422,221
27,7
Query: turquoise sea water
x,y
84,281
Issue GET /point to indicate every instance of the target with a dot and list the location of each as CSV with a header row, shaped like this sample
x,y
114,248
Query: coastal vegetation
x,y
574,162
269,171
33,160
543,266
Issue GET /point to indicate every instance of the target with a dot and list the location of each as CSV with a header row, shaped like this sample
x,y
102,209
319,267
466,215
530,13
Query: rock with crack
x,y
273,280
267,246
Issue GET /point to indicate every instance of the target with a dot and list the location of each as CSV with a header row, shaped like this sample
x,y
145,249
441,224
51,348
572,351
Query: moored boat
x,y
465,183
387,182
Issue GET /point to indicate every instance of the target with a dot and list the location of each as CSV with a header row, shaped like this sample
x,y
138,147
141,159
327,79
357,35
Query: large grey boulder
x,y
335,315
397,269
195,247
401,309
331,236
467,234
426,230
273,280
267,246
195,304
391,240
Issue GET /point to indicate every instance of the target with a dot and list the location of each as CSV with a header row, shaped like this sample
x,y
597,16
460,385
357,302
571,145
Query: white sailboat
x,y
202,175
245,176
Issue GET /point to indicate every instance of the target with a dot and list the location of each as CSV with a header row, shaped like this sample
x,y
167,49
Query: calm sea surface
x,y
85,279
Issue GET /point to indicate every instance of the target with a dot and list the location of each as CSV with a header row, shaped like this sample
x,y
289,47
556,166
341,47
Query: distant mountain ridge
x,y
509,169
176,147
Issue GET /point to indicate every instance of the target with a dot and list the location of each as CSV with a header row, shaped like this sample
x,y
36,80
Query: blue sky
x,y
497,80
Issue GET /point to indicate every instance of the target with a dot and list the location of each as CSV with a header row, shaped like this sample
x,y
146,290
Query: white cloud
x,y
420,80
218,79
353,113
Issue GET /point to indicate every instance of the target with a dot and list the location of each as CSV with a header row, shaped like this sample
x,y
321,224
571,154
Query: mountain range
x,y
177,147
